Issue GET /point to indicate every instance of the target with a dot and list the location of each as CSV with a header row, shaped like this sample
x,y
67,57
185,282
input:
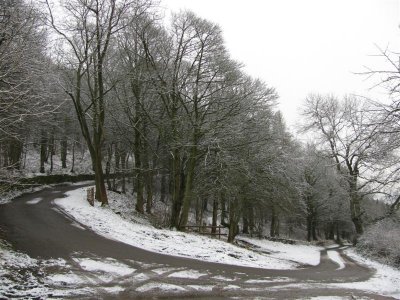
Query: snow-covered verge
x,y
302,254
137,232
20,275
7,197
386,280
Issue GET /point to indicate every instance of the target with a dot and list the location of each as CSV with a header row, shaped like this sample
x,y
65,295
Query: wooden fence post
x,y
90,195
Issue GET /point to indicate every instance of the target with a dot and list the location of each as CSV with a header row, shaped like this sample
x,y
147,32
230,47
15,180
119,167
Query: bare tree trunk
x,y
187,199
309,229
73,157
198,211
177,179
13,157
25,153
149,191
101,192
63,150
214,216
163,188
117,166
274,229
43,148
338,233
148,180
223,209
4,154
124,164
311,224
245,224
108,166
201,223
235,210
138,180
331,231
355,207
251,219
51,151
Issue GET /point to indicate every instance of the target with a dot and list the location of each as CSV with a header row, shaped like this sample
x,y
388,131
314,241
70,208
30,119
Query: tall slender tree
x,y
87,31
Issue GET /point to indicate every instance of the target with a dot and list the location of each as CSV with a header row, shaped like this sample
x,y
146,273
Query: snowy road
x,y
93,266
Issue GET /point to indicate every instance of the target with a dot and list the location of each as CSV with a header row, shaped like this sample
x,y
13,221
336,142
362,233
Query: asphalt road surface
x,y
44,231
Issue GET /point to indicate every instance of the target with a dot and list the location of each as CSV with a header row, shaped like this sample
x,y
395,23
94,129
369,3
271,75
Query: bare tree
x,y
87,31
25,93
136,99
190,68
353,140
388,112
323,198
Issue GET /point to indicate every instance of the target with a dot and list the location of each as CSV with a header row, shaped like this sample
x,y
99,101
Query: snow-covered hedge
x,y
382,241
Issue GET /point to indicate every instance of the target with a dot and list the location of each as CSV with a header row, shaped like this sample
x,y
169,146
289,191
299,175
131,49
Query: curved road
x,y
41,230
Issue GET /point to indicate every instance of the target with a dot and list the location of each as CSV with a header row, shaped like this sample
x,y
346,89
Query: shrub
x,y
382,241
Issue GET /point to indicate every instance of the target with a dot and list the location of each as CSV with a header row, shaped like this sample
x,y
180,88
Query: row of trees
x,y
166,106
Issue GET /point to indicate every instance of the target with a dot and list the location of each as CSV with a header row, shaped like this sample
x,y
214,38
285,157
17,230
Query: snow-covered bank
x,y
386,280
302,254
110,225
6,198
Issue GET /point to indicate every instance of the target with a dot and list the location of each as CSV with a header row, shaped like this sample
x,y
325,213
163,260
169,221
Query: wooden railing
x,y
202,229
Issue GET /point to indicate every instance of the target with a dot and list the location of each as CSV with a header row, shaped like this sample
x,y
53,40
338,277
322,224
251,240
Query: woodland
x,y
160,111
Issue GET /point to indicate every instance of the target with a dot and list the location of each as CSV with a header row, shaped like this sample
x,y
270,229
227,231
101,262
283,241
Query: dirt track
x,y
43,231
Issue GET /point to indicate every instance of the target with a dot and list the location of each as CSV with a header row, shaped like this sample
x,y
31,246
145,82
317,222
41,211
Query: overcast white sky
x,y
304,46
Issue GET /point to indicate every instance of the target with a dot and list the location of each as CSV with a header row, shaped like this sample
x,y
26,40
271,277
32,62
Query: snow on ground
x,y
67,278
107,270
192,274
108,266
386,280
332,246
201,288
111,225
34,201
223,278
152,286
327,298
231,287
335,256
161,271
302,254
20,275
31,164
23,277
269,280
